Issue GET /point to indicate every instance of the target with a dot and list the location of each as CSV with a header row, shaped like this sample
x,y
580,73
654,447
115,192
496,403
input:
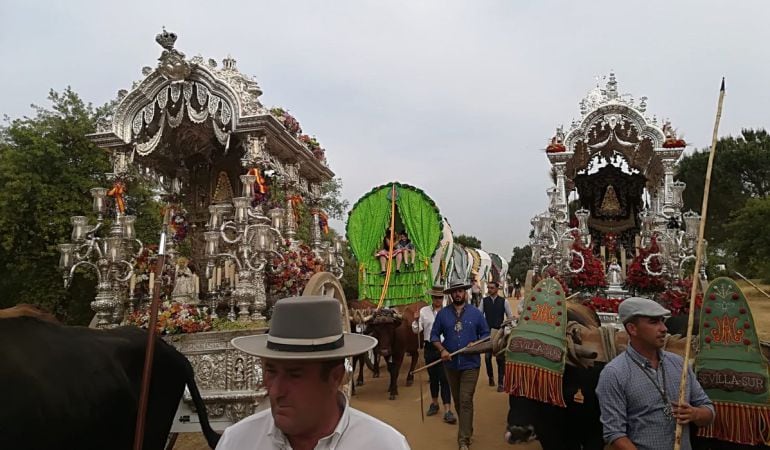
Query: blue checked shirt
x,y
632,407
474,327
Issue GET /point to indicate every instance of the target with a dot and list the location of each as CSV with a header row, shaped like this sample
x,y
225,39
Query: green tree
x,y
521,262
47,166
741,171
749,238
468,241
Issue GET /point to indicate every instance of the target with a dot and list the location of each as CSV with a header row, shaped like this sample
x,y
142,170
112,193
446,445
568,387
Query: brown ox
x,y
358,310
393,331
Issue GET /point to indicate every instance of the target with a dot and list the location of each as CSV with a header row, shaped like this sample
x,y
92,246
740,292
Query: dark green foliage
x,y
468,241
521,262
47,166
737,222
749,238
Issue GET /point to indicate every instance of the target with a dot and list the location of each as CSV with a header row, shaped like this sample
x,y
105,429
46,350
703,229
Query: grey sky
x,y
455,97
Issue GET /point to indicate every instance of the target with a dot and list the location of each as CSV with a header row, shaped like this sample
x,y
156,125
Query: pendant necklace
x,y
667,409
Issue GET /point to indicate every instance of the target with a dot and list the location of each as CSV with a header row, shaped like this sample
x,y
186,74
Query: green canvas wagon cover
x,y
370,217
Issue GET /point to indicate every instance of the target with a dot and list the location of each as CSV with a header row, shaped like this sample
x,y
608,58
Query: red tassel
x,y
739,423
534,383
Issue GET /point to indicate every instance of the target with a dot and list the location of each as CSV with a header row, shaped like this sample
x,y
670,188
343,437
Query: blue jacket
x,y
473,327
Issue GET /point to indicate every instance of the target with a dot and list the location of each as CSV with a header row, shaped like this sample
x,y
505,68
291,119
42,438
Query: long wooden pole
x,y
141,413
752,284
426,366
698,260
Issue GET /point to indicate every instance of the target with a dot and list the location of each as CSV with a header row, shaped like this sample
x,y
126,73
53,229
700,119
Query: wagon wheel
x,y
326,284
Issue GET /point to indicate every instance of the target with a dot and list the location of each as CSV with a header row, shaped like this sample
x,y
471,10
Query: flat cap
x,y
640,306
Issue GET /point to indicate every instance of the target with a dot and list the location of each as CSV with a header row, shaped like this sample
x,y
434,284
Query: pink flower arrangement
x,y
173,318
289,122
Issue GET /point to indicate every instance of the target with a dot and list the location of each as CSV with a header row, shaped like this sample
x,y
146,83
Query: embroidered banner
x,y
535,347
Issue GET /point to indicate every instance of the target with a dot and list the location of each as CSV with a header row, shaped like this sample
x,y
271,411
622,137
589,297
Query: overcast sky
x,y
455,97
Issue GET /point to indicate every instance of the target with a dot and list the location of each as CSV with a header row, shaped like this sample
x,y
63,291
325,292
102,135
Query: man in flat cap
x,y
638,391
303,358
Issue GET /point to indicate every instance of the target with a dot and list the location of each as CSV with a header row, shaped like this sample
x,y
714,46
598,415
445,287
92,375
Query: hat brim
x,y
459,287
433,293
355,344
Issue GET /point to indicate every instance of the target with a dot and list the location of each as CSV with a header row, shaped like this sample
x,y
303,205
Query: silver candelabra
x,y
111,256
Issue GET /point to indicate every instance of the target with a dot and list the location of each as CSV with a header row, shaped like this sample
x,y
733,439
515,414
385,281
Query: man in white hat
x,y
303,361
638,391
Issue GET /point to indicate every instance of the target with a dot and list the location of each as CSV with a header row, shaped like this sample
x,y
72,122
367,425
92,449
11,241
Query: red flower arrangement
x,y
312,144
173,318
592,275
288,277
556,148
603,304
638,279
552,272
674,143
677,298
289,122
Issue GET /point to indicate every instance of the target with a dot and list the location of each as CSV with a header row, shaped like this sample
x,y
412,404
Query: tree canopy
x,y
740,186
47,166
468,241
521,261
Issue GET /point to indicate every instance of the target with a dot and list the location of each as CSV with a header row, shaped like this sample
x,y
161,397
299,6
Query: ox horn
x,y
368,318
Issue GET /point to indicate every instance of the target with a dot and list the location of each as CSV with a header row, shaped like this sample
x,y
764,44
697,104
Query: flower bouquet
x,y
173,318
288,276
674,143
603,304
638,279
289,122
677,298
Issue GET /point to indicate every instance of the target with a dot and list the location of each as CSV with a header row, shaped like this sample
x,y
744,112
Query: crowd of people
x,y
303,356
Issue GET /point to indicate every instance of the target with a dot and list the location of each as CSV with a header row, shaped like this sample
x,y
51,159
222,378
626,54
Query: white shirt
x,y
424,323
355,431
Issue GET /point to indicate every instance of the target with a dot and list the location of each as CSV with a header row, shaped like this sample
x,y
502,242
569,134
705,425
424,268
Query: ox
x,y
358,311
78,388
395,338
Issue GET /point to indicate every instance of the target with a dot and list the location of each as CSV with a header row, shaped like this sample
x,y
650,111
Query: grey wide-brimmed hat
x,y
306,328
436,291
640,306
457,286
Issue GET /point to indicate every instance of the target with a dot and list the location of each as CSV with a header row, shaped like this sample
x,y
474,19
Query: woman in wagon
x,y
383,254
406,248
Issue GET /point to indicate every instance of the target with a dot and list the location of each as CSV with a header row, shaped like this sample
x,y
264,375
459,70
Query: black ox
x,y
78,388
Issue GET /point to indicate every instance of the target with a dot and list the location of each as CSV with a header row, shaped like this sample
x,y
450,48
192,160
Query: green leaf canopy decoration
x,y
370,217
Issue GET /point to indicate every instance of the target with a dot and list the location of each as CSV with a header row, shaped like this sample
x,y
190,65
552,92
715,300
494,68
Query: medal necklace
x,y
667,410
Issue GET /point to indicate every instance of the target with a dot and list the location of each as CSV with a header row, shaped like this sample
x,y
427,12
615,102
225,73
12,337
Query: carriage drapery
x,y
369,218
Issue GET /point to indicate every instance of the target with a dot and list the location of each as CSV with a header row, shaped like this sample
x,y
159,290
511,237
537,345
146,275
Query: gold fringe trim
x,y
739,423
534,383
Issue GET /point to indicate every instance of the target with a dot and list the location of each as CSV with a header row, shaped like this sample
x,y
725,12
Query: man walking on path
x,y
437,374
639,389
461,325
495,309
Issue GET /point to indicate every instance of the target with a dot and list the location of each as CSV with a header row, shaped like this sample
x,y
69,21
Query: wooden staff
x,y
151,335
426,366
698,259
752,284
